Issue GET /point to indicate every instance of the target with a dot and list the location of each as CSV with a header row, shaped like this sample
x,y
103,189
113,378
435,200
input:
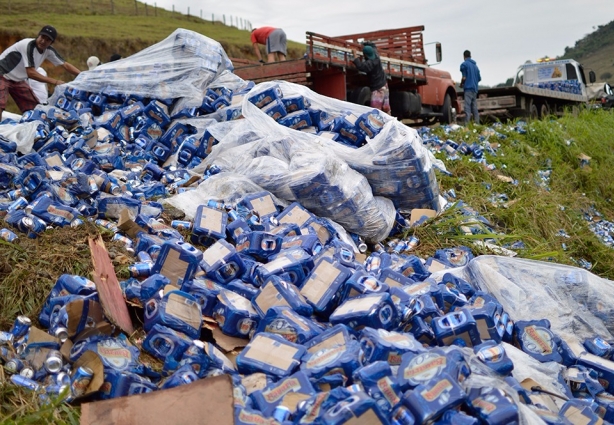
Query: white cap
x,y
92,62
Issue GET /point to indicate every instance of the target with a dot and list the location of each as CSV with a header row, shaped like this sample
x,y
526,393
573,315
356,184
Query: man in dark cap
x,y
20,61
372,66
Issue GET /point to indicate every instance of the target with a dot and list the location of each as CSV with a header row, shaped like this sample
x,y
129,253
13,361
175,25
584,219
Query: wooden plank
x,y
107,285
204,401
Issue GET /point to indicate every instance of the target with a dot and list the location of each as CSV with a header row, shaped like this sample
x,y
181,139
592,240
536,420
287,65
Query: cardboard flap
x,y
127,225
174,268
187,312
269,297
92,361
225,342
204,401
418,213
270,351
77,309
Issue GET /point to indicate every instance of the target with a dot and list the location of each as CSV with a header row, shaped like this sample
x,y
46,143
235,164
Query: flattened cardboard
x,y
291,400
357,304
575,416
127,225
75,311
92,361
297,216
269,297
107,285
173,268
188,313
37,357
264,206
335,340
418,213
215,253
211,219
254,382
207,400
436,266
225,342
269,351
319,281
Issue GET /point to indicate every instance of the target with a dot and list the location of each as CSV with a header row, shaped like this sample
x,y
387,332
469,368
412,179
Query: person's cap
x,y
368,52
49,31
114,57
92,62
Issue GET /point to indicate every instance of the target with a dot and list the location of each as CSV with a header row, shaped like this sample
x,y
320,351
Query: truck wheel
x,y
446,110
361,96
400,104
532,110
544,110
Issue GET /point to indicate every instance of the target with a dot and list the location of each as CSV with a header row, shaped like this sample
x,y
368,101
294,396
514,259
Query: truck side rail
x,y
333,51
406,42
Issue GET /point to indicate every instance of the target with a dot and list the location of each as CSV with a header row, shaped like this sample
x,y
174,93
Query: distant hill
x,y
595,52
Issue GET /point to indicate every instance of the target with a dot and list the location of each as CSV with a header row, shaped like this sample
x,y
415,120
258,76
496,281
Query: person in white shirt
x,y
39,88
19,62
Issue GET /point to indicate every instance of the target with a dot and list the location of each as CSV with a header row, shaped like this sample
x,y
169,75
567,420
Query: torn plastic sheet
x,y
578,304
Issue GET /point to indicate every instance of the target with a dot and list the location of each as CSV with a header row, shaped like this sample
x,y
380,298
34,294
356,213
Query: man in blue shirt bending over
x,y
469,82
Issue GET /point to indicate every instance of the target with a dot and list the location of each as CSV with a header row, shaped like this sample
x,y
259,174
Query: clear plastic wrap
x,y
394,161
22,134
578,304
182,65
227,187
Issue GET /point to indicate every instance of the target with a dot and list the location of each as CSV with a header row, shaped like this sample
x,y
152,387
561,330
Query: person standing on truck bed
x,y
20,61
372,66
469,83
275,41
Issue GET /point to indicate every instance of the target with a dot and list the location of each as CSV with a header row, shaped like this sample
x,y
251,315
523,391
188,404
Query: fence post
x,y
146,14
188,11
224,19
201,13
136,8
173,8
212,19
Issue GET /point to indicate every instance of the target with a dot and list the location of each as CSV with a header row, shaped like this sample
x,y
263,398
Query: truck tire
x,y
446,110
361,96
400,104
544,110
532,110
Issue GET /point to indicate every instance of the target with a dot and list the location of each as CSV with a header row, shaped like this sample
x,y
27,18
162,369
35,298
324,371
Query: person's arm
x,y
257,51
464,73
71,68
37,76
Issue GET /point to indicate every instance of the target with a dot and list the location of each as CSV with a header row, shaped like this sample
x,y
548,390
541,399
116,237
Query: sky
x,y
501,35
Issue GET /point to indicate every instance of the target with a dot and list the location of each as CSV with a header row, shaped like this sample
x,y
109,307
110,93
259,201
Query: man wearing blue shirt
x,y
469,82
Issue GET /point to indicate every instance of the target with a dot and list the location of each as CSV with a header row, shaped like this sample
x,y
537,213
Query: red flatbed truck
x,y
417,92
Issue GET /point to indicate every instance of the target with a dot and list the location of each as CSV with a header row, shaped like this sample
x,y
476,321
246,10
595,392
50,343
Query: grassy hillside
x,y
84,31
596,52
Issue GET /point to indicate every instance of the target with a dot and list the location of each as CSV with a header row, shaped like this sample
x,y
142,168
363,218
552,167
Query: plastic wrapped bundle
x,y
182,65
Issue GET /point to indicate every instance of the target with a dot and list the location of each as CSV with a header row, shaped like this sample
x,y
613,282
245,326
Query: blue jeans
x,y
471,106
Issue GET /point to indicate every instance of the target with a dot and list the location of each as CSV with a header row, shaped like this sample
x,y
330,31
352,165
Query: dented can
x,y
81,380
7,235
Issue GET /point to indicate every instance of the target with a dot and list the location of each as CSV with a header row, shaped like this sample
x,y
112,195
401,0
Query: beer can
x,y
81,380
107,225
127,241
144,257
14,365
5,353
6,338
355,388
412,243
24,382
61,333
62,379
215,204
27,372
21,326
14,194
181,224
18,204
402,416
76,222
281,413
7,235
140,269
54,362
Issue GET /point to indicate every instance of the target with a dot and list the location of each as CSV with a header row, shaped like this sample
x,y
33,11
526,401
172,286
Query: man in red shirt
x,y
275,41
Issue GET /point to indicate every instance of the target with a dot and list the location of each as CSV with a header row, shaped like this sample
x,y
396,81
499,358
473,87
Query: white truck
x,y
539,89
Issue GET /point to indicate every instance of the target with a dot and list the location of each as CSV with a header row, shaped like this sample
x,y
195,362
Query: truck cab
x,y
565,76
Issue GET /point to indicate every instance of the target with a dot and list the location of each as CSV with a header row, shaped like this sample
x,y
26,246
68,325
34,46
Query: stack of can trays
x,y
295,112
